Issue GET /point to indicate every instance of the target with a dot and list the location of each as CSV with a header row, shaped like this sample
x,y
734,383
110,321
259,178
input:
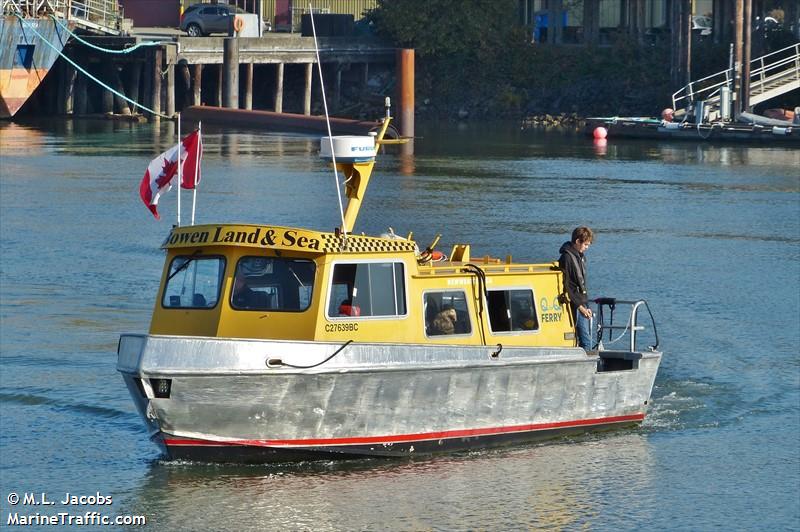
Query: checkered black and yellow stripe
x,y
332,243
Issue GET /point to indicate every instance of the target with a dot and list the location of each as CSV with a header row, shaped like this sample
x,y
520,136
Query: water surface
x,y
709,235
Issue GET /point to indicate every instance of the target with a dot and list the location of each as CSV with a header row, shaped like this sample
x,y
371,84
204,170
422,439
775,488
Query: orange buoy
x,y
600,132
238,23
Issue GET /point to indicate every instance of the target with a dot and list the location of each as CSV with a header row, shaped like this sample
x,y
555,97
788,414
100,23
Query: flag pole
x,y
178,147
197,165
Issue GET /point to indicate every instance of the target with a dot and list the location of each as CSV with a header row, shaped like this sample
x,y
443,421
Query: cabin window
x,y
512,310
446,313
273,283
193,282
367,289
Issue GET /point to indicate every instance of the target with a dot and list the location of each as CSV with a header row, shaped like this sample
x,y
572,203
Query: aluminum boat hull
x,y
230,400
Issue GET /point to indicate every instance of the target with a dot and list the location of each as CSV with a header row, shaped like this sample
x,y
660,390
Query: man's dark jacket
x,y
573,264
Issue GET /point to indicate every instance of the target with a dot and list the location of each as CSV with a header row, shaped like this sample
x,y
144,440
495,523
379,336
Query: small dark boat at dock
x,y
719,131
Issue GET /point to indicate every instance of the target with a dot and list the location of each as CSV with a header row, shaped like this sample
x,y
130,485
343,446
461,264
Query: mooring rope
x,y
87,74
100,49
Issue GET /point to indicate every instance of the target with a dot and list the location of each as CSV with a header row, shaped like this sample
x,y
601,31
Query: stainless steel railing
x,y
609,333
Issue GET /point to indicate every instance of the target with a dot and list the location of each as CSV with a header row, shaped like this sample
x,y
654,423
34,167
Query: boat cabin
x,y
268,282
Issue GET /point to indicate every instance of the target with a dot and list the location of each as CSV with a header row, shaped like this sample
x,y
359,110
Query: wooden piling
x,y
405,84
197,82
186,80
737,65
747,38
170,89
120,105
80,95
279,88
134,78
107,97
248,86
337,87
686,27
218,100
230,69
61,90
155,69
307,93
69,84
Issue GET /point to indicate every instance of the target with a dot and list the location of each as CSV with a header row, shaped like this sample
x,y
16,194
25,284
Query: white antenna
x,y
178,147
198,156
327,120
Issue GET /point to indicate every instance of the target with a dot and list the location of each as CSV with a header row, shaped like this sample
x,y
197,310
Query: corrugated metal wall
x,y
352,7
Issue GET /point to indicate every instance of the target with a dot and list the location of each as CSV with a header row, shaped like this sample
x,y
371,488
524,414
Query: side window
x,y
446,313
273,283
208,11
367,289
512,310
193,282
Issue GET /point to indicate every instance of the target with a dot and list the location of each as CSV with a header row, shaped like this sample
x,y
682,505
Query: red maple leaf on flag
x,y
168,170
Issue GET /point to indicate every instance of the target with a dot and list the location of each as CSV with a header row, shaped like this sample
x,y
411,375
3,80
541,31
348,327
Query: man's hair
x,y
582,233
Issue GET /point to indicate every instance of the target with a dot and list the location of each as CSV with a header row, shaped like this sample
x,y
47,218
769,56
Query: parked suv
x,y
204,19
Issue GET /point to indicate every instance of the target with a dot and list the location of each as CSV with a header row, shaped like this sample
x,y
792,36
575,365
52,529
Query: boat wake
x,y
121,418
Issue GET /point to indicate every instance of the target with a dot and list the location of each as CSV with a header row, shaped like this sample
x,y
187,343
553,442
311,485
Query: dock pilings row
x,y
237,73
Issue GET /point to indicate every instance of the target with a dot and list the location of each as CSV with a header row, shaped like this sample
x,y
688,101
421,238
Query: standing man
x,y
573,264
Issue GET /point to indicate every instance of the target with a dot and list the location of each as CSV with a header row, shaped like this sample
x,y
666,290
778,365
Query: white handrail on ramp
x,y
771,75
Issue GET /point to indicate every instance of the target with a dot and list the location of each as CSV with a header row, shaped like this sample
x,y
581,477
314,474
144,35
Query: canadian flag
x,y
157,179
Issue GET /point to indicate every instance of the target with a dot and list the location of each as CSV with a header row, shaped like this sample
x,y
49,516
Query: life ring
x,y
431,256
238,23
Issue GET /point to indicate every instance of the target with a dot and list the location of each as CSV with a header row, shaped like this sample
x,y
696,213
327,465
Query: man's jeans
x,y
583,330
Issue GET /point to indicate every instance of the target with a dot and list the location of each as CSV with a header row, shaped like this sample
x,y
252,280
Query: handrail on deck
x,y
629,328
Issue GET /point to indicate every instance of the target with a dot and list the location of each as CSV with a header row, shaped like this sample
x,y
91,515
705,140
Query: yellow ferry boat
x,y
271,343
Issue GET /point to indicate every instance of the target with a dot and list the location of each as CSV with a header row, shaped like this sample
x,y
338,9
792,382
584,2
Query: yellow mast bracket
x,y
357,176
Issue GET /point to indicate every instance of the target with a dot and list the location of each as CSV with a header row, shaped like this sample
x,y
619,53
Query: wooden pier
x,y
276,72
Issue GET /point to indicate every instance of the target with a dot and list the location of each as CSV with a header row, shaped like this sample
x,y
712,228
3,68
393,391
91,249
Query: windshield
x,y
273,283
193,282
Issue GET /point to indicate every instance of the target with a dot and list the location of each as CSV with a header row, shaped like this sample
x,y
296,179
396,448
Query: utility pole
x,y
747,38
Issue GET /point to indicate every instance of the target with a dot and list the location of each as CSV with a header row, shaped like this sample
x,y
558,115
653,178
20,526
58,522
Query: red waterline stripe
x,y
405,438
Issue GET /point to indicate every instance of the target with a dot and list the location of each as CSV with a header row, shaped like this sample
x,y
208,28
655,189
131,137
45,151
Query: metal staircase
x,y
100,17
770,75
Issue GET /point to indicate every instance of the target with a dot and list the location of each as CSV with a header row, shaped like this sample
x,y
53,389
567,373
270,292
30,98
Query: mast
x,y
357,175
